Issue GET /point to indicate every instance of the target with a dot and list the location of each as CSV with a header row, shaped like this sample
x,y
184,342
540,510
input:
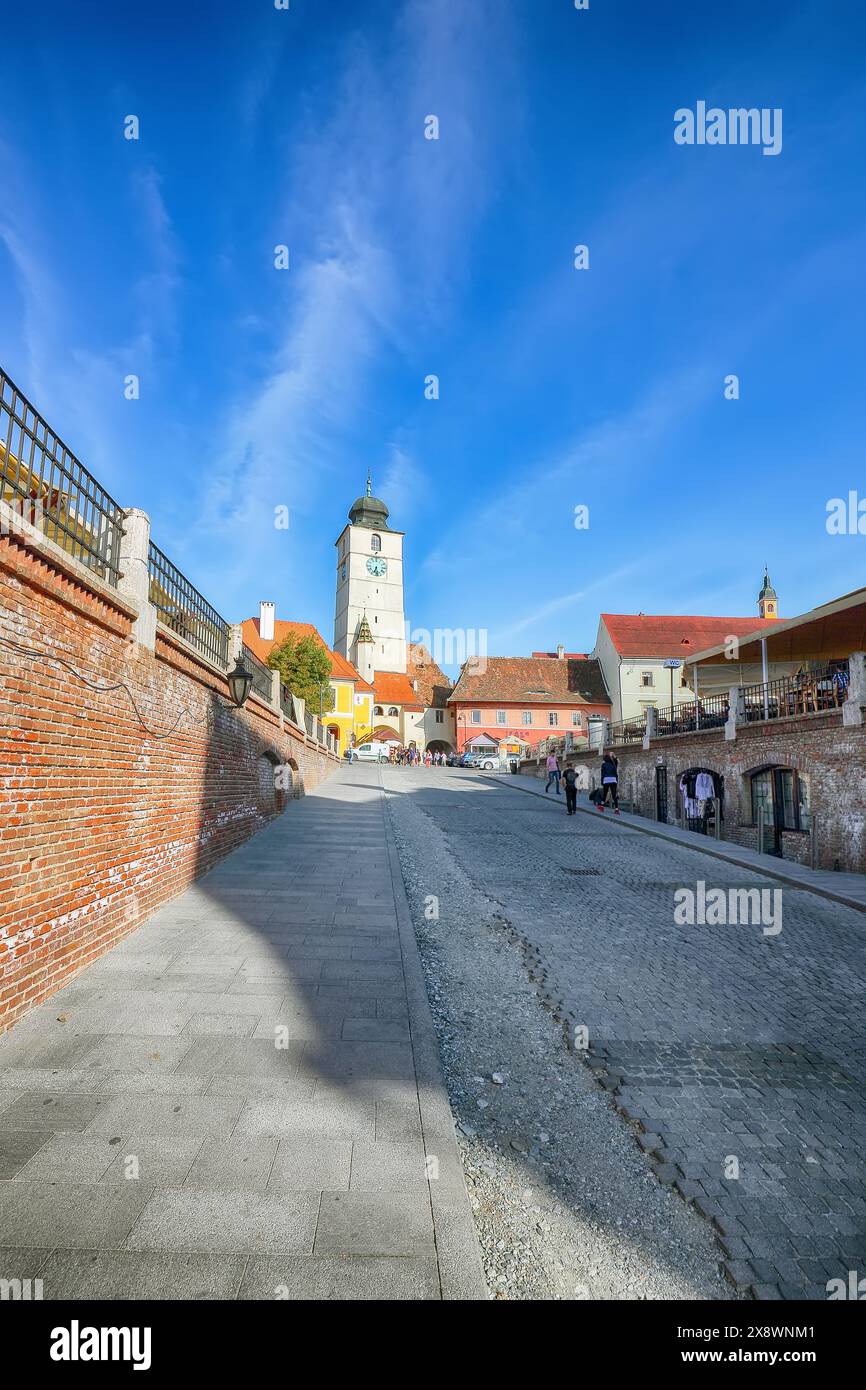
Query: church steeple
x,y
768,603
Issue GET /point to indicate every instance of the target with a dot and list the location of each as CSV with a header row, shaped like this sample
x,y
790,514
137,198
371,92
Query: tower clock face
x,y
377,566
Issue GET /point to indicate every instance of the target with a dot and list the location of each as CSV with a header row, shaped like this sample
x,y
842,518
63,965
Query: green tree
x,y
305,668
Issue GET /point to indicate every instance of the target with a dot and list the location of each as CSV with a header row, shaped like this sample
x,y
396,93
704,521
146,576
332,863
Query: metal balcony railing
x,y
46,485
184,610
628,730
808,692
709,712
262,683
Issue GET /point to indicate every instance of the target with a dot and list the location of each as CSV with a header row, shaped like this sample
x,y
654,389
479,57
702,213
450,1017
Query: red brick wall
x,y
100,821
833,756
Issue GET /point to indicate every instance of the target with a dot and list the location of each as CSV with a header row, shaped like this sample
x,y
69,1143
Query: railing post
x,y
275,689
651,726
236,642
852,706
736,711
134,579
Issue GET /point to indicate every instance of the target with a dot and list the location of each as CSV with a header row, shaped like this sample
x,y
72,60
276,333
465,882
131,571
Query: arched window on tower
x,y
375,543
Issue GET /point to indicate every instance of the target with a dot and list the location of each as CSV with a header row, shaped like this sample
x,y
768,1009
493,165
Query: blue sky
x,y
262,388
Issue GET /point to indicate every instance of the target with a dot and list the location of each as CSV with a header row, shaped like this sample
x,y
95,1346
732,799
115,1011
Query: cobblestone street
x,y
737,1055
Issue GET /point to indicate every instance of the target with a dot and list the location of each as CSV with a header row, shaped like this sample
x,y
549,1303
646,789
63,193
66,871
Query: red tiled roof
x,y
525,680
394,688
642,634
434,686
341,669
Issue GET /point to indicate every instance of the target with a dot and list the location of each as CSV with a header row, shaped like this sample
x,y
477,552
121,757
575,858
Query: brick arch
x,y
269,797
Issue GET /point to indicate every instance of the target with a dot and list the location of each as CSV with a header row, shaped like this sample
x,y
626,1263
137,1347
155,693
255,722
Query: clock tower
x,y
369,603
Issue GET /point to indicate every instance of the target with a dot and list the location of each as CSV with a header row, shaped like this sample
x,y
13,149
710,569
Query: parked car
x,y
370,753
486,761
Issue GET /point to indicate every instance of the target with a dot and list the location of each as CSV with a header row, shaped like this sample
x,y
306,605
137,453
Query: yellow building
x,y
351,718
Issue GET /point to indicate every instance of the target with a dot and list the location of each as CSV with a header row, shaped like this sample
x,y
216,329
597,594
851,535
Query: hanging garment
x,y
705,786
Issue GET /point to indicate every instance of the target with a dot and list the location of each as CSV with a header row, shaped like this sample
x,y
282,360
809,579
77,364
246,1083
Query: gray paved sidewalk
x,y
849,889
243,1099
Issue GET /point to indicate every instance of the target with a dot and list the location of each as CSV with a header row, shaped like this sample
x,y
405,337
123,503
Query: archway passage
x,y
439,745
334,730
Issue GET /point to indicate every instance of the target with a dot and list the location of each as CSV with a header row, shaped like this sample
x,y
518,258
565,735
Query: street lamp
x,y
240,682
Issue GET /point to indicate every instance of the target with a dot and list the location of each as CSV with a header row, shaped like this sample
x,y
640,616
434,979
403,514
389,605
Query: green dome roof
x,y
369,511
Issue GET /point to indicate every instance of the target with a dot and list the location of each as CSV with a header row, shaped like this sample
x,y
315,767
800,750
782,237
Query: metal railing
x,y
809,692
708,712
183,609
628,730
49,488
262,683
308,722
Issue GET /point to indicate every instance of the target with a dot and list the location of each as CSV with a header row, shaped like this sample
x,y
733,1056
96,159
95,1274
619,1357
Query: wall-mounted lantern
x,y
240,682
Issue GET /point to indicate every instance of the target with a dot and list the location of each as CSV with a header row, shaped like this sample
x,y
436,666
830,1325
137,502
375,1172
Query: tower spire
x,y
369,484
768,603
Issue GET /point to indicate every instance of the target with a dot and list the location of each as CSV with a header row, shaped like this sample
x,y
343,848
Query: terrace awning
x,y
829,633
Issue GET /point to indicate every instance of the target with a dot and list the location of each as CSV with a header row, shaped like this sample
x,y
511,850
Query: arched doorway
x,y
779,800
696,790
439,745
269,785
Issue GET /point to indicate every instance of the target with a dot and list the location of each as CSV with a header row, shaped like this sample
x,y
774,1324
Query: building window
x,y
526,717
646,677
476,716
553,719
500,716
343,570
377,709
375,543
439,716
392,711
575,719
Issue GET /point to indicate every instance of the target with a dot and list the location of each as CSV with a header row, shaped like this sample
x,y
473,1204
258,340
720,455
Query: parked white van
x,y
369,753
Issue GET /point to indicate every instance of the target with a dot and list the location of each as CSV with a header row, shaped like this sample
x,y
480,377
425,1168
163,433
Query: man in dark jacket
x,y
609,782
569,777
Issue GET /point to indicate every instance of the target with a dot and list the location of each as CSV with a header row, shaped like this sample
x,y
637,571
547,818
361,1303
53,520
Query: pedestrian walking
x,y
609,783
553,773
569,777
